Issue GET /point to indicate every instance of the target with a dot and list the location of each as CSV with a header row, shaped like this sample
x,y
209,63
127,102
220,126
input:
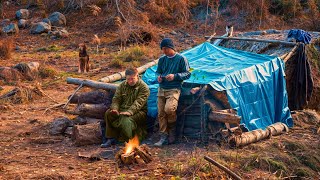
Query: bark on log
x,y
92,97
121,75
277,129
143,154
257,40
93,84
220,97
86,120
225,116
91,110
127,158
87,134
248,138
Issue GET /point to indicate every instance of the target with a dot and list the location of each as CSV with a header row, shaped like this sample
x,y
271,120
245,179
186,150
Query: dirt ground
x,y
27,151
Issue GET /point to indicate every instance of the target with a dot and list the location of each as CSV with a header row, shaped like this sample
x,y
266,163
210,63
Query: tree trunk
x,y
121,75
93,84
225,116
87,134
92,97
92,110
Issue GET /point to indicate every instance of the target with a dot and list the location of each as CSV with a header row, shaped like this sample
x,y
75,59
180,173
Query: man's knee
x,y
170,110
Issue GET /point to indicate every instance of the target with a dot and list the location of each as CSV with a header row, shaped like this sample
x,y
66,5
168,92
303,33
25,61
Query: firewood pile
x,y
132,153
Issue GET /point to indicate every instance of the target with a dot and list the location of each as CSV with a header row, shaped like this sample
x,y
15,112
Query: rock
x,y
22,14
57,19
59,126
5,22
17,48
12,28
34,66
69,131
61,33
22,23
173,33
10,74
187,35
87,134
40,27
46,20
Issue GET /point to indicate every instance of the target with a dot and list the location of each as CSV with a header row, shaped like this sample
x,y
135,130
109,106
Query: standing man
x,y
127,115
173,68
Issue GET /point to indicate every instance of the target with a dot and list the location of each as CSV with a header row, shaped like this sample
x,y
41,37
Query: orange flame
x,y
134,142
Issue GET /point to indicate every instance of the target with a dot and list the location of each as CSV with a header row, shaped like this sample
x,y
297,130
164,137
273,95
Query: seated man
x,y
127,115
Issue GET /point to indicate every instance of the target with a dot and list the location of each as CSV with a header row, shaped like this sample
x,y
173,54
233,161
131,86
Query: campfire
x,y
132,153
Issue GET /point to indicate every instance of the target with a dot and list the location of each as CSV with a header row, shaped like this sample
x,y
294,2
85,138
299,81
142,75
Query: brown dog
x,y
83,59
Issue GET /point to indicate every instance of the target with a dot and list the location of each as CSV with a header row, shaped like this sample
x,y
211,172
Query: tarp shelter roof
x,y
254,83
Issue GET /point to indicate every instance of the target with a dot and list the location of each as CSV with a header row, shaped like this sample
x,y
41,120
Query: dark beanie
x,y
167,42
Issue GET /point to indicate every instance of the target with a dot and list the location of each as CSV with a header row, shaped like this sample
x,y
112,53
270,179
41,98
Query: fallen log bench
x,y
91,83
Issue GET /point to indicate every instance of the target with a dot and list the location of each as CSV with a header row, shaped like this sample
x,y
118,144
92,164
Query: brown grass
x,y
6,48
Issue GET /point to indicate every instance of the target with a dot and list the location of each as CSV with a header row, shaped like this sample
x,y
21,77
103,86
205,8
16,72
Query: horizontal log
x,y
225,116
121,75
248,138
92,110
91,83
92,97
256,40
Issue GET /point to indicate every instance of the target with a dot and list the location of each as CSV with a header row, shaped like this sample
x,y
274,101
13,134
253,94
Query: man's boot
x,y
109,143
163,140
172,133
103,131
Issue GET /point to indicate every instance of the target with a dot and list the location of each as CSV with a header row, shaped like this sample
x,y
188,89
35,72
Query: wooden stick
x,y
93,84
209,40
291,53
225,169
121,75
54,106
72,95
257,40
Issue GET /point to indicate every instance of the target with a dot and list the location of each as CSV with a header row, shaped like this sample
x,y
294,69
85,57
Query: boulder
x,y
46,20
57,19
40,27
59,33
10,74
87,134
85,120
5,22
59,126
22,23
22,14
12,28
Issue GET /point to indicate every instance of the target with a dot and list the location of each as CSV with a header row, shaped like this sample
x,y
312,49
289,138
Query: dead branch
x,y
222,167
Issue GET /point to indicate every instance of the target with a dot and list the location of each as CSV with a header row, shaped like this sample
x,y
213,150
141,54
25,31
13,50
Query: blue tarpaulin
x,y
254,83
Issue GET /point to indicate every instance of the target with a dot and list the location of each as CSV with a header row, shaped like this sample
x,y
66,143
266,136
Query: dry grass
x,y
6,48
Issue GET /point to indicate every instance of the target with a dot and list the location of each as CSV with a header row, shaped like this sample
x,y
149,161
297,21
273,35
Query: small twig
x,y
54,106
209,39
118,9
81,85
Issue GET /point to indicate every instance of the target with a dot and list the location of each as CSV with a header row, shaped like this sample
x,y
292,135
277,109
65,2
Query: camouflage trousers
x,y
123,127
167,107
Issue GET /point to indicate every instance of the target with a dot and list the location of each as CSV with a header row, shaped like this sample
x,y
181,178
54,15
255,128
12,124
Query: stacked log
x,y
140,155
257,135
91,107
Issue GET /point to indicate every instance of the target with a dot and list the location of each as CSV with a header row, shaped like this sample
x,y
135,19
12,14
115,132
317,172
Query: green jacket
x,y
131,99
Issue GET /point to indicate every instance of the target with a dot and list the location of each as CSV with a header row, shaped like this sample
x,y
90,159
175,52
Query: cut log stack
x,y
140,155
91,107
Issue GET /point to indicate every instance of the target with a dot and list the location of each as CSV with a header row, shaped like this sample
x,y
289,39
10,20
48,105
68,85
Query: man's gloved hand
x,y
125,113
114,111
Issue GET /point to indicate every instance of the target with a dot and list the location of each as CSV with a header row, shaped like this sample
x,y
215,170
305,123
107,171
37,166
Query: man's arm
x,y
141,100
184,71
